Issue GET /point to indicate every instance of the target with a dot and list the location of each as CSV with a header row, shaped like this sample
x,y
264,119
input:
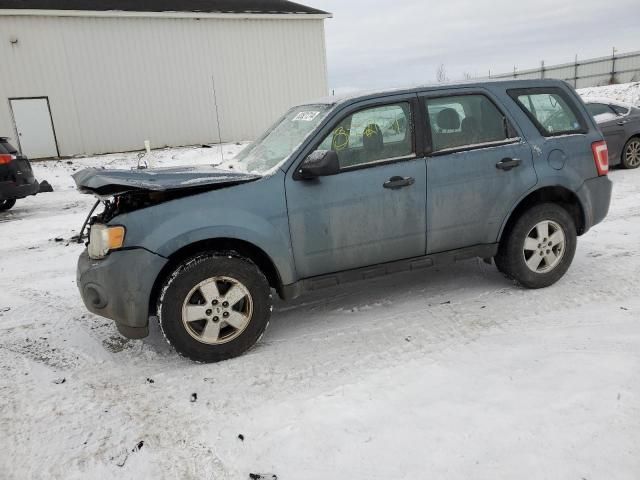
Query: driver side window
x,y
372,135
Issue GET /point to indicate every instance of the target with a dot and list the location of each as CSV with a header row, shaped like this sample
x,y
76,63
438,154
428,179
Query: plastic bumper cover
x,y
595,195
119,287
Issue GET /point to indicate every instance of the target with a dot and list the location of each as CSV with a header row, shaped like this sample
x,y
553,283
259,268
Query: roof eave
x,y
123,13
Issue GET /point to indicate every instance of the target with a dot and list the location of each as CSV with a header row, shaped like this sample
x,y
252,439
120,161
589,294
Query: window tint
x,y
6,147
372,135
462,120
549,109
620,110
598,109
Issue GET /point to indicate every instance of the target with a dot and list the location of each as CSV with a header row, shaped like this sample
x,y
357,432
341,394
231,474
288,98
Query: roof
x,y
357,95
269,7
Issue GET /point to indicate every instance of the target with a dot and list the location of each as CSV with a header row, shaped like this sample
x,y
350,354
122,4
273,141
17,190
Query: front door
x,y
477,171
34,127
373,211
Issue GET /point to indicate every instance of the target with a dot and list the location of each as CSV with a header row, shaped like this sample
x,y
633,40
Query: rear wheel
x,y
631,153
539,248
7,204
215,307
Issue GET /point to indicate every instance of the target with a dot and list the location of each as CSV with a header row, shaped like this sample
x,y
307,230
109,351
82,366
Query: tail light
x,y
6,158
601,157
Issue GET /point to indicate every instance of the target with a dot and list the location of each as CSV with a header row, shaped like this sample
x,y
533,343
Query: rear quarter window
x,y
552,110
620,110
6,147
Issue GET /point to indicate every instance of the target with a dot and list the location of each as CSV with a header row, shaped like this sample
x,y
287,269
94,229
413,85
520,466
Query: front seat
x,y
447,119
372,143
470,130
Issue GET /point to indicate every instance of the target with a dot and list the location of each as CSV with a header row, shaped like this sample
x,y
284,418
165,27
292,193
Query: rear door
x,y
373,211
611,124
478,168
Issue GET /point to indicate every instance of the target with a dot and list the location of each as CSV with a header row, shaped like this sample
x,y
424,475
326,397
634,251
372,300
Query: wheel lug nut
x,y
209,312
215,302
225,304
215,319
225,314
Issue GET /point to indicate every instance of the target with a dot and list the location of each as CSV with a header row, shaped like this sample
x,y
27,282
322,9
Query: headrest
x,y
448,119
372,138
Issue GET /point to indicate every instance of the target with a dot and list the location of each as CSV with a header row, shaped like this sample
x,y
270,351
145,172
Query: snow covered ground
x,y
624,92
447,373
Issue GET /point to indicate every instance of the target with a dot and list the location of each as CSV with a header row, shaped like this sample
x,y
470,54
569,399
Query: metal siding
x,y
114,82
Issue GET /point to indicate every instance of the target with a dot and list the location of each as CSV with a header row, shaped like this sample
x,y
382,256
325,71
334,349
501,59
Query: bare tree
x,y
441,74
467,76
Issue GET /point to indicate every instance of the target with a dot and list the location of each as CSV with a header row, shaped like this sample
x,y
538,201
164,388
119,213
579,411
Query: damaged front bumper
x,y
119,287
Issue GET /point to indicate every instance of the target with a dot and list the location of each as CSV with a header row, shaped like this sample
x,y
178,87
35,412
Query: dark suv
x,y
16,177
342,189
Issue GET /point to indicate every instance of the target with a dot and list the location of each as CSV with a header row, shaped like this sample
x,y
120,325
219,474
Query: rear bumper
x,y
11,190
595,195
119,287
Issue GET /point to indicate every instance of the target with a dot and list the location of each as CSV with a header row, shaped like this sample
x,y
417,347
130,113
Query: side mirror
x,y
320,164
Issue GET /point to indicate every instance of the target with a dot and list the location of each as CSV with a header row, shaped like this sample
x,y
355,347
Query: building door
x,y
34,126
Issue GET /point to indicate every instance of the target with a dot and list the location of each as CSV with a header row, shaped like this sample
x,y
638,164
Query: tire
x,y
522,248
203,295
631,153
7,204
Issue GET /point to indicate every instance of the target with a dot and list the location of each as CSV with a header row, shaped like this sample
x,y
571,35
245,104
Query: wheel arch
x,y
548,194
232,246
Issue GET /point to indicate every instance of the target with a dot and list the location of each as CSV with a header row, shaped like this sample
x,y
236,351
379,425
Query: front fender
x,y
253,212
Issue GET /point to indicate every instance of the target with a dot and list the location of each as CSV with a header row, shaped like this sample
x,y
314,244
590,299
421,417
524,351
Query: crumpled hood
x,y
114,182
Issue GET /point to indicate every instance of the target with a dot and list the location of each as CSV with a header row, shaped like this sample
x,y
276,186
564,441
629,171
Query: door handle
x,y
621,122
396,182
508,163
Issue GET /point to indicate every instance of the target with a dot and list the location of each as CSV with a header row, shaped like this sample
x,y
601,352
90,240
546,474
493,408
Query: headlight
x,y
103,238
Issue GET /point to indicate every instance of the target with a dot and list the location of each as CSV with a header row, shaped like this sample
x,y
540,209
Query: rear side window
x,y
460,121
598,109
550,109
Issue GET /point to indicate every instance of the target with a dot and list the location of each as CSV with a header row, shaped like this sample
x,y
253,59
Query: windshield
x,y
278,142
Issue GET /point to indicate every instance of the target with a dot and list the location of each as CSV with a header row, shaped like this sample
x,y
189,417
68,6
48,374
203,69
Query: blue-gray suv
x,y
343,189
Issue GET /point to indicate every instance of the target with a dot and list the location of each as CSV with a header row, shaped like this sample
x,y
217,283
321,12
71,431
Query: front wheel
x,y
215,307
7,204
631,153
539,248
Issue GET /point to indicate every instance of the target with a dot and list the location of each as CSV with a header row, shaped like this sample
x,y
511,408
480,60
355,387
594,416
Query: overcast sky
x,y
373,43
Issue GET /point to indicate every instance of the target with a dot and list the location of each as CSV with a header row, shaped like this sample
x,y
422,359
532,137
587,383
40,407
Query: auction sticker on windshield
x,y
305,116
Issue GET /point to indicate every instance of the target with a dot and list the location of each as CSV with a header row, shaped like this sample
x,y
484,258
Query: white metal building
x,y
97,76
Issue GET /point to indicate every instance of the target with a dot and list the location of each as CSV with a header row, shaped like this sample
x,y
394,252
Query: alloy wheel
x,y
544,246
217,310
632,154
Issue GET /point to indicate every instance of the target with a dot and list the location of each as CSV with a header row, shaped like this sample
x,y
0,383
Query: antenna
x,y
215,102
